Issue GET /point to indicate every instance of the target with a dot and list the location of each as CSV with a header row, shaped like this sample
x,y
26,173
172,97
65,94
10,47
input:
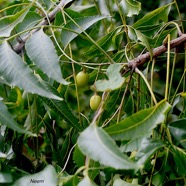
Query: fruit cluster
x,y
82,79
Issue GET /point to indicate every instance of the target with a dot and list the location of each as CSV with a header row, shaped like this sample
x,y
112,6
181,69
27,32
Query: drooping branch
x,y
141,59
18,47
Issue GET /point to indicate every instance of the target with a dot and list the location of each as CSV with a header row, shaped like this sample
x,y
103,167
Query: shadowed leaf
x,y
78,26
154,17
7,119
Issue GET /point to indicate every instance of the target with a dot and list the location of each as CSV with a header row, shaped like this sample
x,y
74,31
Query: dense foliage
x,y
80,105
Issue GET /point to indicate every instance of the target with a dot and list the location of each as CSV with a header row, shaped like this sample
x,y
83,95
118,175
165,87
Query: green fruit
x,y
95,101
82,79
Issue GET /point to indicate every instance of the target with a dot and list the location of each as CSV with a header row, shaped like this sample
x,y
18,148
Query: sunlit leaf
x,y
178,131
183,94
42,52
8,23
15,71
154,17
97,144
139,123
86,181
66,2
115,80
103,7
47,176
130,7
77,26
7,119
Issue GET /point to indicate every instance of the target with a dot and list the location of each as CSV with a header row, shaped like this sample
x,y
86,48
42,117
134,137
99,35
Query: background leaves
x,y
128,140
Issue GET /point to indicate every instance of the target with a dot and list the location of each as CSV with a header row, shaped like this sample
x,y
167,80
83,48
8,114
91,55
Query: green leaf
x,y
59,18
115,80
65,146
139,123
150,30
112,104
103,7
107,43
2,155
5,177
178,131
155,17
130,7
147,148
120,182
78,157
77,26
133,145
97,144
158,40
47,176
180,160
41,51
7,119
64,111
86,181
15,71
137,35
73,181
30,20
8,23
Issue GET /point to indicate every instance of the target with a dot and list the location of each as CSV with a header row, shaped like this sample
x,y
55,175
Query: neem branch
x,y
141,59
18,47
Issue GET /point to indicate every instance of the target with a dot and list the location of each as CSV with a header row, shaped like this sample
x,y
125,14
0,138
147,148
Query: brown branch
x,y
141,59
18,47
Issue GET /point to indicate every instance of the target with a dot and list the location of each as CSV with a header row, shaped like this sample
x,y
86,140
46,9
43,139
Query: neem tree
x,y
92,93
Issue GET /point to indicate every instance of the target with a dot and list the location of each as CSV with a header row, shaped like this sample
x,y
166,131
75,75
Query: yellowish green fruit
x,y
82,79
95,101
